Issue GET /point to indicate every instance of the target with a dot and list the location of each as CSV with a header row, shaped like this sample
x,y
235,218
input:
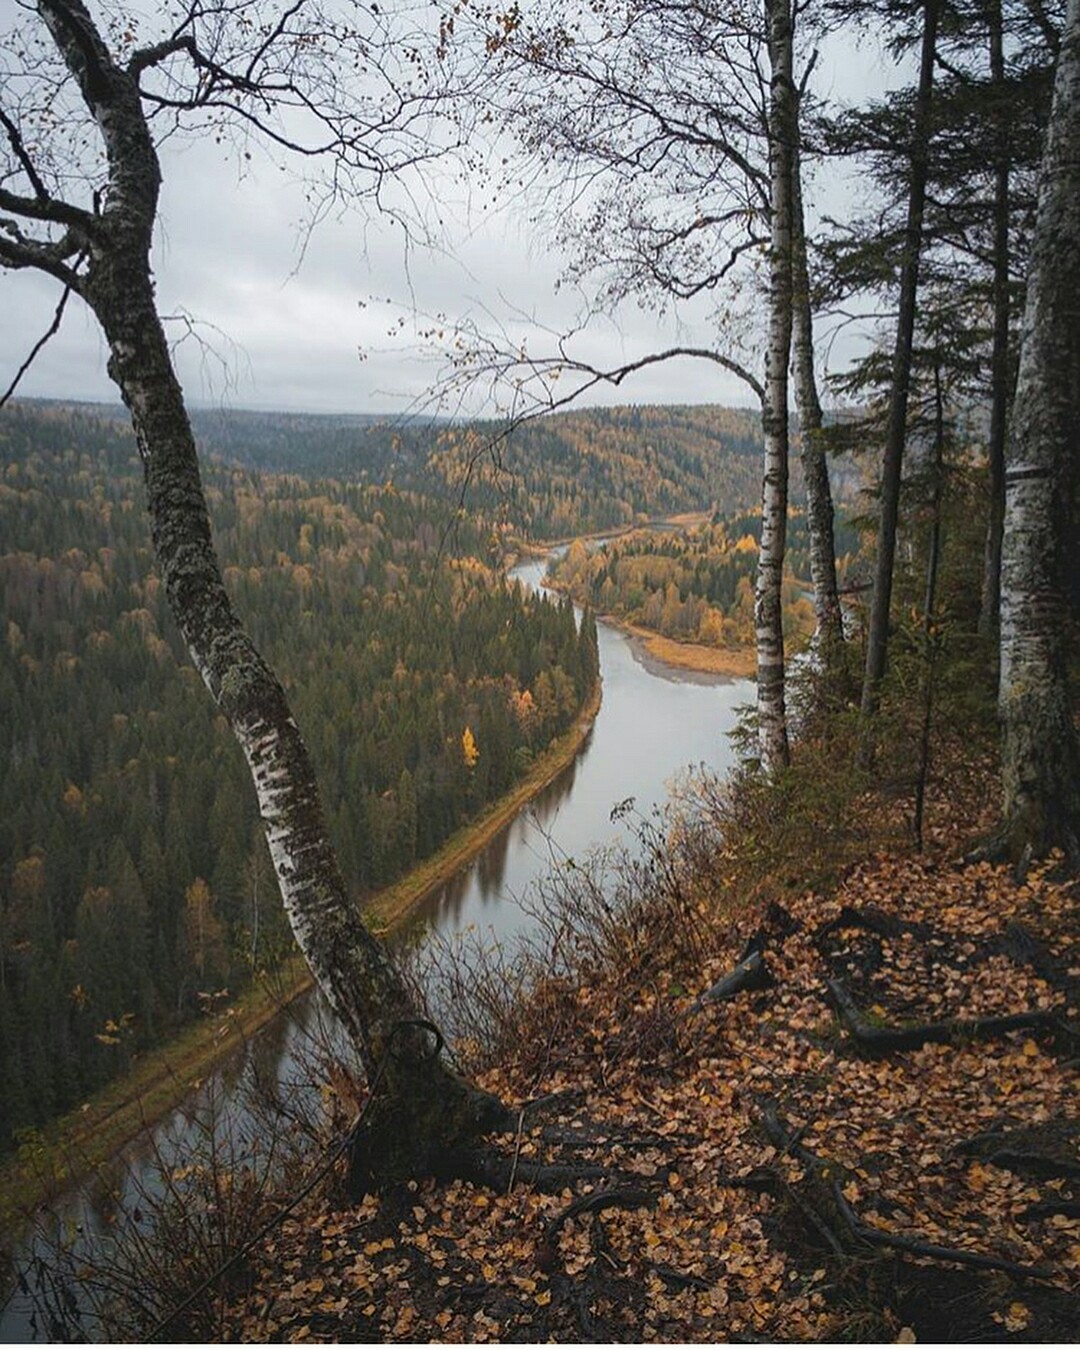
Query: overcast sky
x,y
286,332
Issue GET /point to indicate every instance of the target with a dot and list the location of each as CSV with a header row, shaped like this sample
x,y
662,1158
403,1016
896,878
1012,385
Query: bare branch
x,y
51,331
21,154
51,211
18,253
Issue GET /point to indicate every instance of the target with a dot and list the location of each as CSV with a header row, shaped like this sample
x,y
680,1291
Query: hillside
x,y
775,1095
135,886
571,473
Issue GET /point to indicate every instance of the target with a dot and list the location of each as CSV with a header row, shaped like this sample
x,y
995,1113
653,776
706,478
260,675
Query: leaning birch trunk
x,y
429,1109
768,610
1040,754
877,642
819,504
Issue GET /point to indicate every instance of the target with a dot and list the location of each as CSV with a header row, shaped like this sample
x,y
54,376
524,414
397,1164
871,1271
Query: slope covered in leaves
x,y
929,1191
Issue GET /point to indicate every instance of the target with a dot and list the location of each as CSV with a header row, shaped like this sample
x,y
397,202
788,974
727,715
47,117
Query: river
x,y
654,722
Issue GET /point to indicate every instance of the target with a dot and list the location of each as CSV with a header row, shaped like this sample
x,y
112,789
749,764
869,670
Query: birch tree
x,y
79,201
768,618
665,137
1041,537
819,503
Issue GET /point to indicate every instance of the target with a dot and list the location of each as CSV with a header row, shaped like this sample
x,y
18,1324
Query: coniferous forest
x,y
799,1060
135,881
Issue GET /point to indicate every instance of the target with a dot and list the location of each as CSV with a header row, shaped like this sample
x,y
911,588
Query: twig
x,y
517,1151
50,332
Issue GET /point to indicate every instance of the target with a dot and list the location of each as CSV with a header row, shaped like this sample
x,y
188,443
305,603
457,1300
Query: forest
x,y
803,1064
696,585
135,883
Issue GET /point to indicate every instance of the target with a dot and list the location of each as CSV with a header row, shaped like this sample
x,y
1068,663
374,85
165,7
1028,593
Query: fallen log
x,y
885,1039
870,919
1047,1151
1046,1209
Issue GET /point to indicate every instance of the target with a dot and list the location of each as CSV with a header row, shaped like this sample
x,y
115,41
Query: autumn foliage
x,y
686,1222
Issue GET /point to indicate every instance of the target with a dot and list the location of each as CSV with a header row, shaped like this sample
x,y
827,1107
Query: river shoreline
x,y
73,1147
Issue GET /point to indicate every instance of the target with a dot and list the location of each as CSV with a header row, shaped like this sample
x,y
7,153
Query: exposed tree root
x,y
623,1197
875,1237
1038,1151
852,1231
750,973
883,1040
499,1172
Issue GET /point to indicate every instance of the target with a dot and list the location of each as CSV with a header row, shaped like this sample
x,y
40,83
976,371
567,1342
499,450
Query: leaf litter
x,y
968,1145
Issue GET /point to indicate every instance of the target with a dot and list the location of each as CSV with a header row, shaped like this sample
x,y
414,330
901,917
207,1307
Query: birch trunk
x,y
819,503
351,967
768,613
1040,753
877,643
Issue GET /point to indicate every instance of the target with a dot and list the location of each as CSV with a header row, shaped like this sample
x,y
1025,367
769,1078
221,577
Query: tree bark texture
x,y
352,967
768,611
1000,390
1040,754
819,503
877,643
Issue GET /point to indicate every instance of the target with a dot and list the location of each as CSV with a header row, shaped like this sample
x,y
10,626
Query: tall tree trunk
x,y
768,609
999,359
426,1109
877,643
1040,753
819,503
933,559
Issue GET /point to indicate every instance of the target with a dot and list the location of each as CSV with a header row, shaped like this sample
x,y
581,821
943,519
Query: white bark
x,y
768,614
1040,758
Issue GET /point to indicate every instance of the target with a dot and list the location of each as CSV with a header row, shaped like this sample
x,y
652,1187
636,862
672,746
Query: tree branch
x,y
17,253
51,331
21,154
50,211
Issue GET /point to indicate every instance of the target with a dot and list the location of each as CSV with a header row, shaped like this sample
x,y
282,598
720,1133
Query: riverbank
x,y
78,1143
392,906
735,662
684,520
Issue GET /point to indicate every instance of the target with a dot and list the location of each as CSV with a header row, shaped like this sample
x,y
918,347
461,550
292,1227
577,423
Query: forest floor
x,y
849,1147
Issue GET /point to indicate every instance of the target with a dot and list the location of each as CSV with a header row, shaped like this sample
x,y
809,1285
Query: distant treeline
x,y
572,473
134,881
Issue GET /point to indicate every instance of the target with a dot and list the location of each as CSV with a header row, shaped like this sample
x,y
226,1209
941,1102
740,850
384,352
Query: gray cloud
x,y
281,325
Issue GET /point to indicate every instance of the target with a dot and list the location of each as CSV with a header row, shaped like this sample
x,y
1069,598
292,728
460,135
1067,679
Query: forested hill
x,y
569,473
606,468
134,880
